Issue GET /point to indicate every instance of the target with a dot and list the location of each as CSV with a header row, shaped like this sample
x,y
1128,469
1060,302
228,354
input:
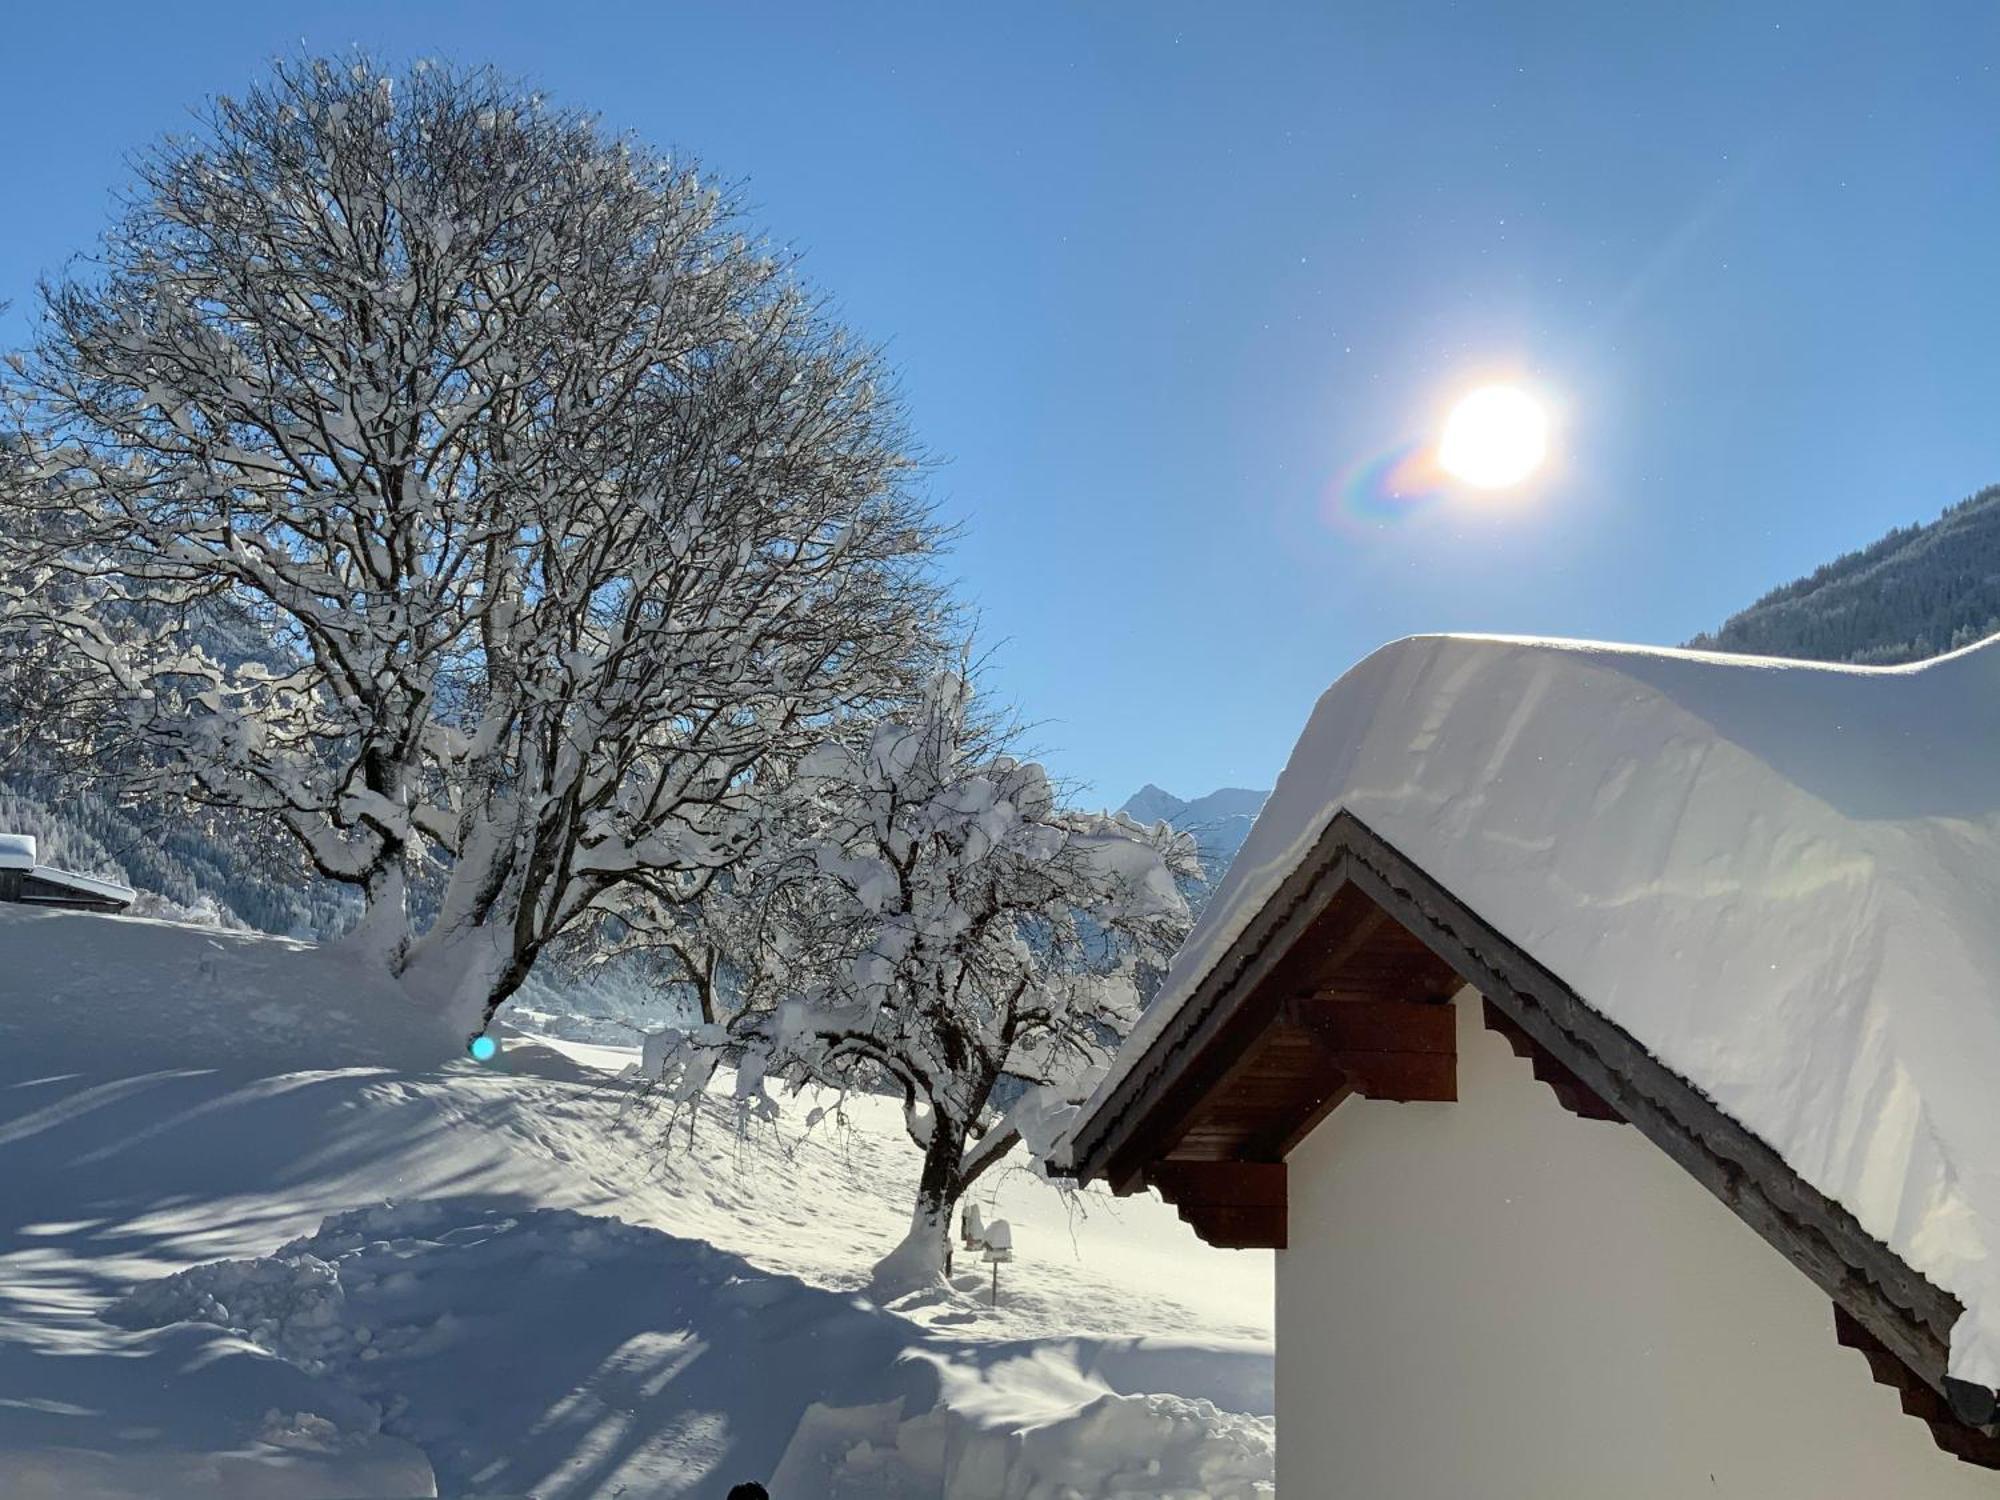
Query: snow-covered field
x,y
264,1234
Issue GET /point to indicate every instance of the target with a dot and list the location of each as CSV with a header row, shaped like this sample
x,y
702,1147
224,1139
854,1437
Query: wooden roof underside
x,y
35,888
1338,987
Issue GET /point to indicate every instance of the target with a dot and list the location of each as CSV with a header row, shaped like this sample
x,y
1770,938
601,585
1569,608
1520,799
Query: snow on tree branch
x,y
436,476
953,934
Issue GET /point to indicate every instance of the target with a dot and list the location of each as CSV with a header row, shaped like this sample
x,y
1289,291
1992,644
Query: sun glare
x,y
1494,438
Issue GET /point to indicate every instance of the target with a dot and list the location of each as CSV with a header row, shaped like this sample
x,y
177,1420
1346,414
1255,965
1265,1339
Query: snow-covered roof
x,y
85,885
1783,879
18,851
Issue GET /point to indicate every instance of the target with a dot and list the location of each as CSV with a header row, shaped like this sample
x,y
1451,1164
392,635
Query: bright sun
x,y
1495,437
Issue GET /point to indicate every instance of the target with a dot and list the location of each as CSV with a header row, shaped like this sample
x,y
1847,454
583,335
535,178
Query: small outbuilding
x,y
1607,1041
25,880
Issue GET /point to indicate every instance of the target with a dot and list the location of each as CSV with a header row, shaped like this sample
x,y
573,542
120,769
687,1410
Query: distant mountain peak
x,y
1228,802
1152,804
1219,821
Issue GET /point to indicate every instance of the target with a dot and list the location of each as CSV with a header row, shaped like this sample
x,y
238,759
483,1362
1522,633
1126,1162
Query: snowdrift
x,y
267,1234
675,1358
1781,878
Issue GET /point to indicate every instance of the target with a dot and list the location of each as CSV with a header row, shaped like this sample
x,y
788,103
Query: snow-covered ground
x,y
264,1233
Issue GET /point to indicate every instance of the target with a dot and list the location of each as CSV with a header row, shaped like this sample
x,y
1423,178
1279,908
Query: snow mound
x,y
1116,1446
291,1305
657,1359
1781,878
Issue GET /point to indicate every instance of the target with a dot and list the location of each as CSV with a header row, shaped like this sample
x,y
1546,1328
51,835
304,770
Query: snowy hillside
x,y
266,1234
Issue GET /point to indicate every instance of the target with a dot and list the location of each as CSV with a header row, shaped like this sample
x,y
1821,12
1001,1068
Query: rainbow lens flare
x,y
1385,489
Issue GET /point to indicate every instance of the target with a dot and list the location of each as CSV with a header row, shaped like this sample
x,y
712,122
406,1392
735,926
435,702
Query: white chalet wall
x,y
1497,1300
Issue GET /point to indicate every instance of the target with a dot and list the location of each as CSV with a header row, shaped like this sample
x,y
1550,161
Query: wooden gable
x,y
1357,1005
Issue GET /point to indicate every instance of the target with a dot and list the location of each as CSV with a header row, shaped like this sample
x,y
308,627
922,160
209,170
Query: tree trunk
x,y
467,973
382,936
923,1259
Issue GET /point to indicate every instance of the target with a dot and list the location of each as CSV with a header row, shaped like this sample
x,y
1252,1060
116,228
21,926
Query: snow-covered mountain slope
x,y
1919,591
266,1234
1219,821
1782,879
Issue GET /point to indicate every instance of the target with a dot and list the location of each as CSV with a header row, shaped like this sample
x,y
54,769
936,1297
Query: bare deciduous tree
x,y
445,481
945,929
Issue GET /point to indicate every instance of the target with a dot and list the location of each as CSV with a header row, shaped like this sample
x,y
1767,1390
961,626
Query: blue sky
x,y
1161,279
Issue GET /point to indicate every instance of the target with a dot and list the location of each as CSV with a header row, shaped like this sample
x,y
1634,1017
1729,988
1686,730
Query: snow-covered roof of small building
x,y
1782,879
19,851
93,886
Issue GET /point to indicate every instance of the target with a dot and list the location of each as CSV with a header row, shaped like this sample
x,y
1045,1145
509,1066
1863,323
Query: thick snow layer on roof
x,y
17,851
1781,878
85,885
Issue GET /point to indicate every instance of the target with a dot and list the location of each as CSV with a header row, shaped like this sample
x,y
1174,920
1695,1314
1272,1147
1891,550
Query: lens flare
x,y
482,1048
1495,437
1385,489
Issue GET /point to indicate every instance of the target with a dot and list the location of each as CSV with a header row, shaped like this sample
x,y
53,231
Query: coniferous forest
x,y
1918,592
